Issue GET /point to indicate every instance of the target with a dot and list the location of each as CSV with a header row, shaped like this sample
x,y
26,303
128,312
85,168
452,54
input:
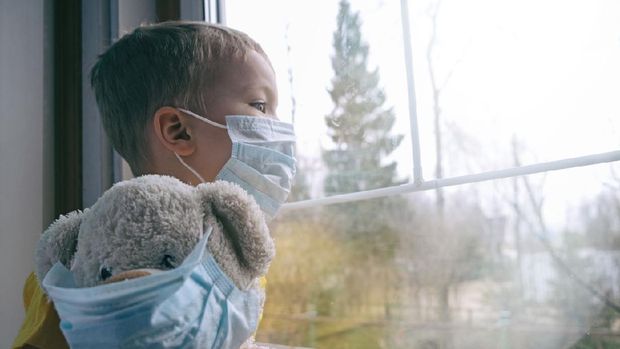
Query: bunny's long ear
x,y
243,247
58,243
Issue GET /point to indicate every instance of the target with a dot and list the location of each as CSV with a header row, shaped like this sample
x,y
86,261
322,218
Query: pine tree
x,y
360,128
359,125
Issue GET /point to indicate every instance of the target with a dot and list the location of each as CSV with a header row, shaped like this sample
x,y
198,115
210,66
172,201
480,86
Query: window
x,y
379,250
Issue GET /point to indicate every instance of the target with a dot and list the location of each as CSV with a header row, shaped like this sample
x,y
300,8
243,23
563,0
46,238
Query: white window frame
x,y
215,11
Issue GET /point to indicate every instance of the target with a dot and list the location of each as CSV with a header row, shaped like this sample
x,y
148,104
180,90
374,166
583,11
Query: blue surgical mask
x,y
193,306
262,160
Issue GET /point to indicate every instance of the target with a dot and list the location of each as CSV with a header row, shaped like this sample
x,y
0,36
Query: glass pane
x,y
538,76
517,263
342,83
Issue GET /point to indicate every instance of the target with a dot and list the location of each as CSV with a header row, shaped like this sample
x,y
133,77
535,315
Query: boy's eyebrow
x,y
263,87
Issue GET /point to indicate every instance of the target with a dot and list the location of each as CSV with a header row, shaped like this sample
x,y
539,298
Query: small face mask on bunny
x,y
209,243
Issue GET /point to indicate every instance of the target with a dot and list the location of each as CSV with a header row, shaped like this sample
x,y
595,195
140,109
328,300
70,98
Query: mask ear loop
x,y
202,180
210,122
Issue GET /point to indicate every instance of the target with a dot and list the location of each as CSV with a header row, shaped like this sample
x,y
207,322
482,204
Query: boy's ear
x,y
58,243
172,130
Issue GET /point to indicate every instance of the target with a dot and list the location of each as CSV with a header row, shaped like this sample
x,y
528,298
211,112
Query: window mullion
x,y
418,177
587,160
215,11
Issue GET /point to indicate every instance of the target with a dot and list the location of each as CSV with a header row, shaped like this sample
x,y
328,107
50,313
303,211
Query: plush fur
x,y
142,222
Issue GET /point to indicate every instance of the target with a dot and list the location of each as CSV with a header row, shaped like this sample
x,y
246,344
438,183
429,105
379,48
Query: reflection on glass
x,y
518,263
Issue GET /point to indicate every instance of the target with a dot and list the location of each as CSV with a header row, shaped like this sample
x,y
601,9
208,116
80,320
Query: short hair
x,y
165,64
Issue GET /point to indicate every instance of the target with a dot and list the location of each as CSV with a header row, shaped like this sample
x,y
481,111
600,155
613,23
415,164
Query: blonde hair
x,y
166,64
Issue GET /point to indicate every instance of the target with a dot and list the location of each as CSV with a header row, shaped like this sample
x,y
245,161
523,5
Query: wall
x,y
26,134
26,157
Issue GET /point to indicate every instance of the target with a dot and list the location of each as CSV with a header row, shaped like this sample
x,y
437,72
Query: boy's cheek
x,y
213,155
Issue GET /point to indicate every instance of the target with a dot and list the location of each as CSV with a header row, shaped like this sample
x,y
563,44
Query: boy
x,y
164,92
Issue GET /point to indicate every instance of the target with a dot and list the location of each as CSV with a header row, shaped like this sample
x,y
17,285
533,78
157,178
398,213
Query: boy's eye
x,y
260,106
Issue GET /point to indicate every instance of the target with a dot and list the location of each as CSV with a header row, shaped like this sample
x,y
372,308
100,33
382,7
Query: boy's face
x,y
243,87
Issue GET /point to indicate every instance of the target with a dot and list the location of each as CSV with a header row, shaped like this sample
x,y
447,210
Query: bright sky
x,y
547,71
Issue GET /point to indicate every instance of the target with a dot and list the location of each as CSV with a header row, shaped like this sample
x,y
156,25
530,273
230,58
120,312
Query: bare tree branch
x,y
541,233
290,72
456,63
433,12
561,264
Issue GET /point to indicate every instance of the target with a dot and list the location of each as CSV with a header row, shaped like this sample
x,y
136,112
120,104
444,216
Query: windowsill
x,y
277,346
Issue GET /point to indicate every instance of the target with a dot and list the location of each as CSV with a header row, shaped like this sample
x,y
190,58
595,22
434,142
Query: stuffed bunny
x,y
152,223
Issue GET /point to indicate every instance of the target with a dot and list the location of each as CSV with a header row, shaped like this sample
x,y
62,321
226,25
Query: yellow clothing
x,y
41,327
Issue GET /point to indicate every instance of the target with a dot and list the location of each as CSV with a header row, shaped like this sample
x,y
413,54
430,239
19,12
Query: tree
x,y
359,125
360,128
300,189
446,282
